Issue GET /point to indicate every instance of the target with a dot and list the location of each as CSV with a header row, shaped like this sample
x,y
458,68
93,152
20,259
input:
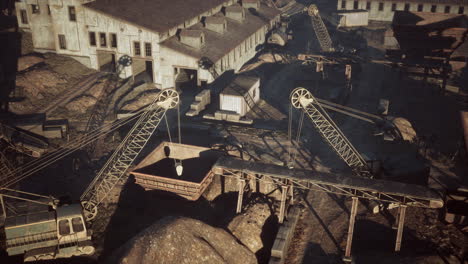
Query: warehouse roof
x,y
432,19
156,15
218,45
240,85
448,2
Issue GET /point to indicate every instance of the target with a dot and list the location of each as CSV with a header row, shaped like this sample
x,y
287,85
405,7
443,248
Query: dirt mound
x,y
39,82
182,240
25,62
249,226
140,101
405,128
270,58
81,104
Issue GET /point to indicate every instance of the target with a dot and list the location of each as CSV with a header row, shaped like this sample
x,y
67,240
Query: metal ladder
x,y
320,29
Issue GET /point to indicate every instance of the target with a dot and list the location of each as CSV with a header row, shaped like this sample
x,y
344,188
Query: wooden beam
x,y
401,224
352,218
284,192
241,194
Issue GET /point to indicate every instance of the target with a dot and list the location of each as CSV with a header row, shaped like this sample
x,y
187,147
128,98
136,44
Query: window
x,y
62,41
113,40
368,5
447,9
343,4
72,13
380,6
461,10
102,39
420,8
393,6
77,224
24,16
35,9
148,52
202,40
433,8
48,9
136,49
92,38
407,6
356,5
64,227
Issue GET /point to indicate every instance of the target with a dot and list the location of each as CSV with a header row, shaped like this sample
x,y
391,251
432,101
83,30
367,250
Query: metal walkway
x,y
372,189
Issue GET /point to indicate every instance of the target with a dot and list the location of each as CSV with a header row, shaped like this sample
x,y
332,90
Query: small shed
x,y
240,94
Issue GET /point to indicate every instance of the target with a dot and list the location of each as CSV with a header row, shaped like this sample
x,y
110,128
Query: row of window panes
x,y
103,39
137,49
64,226
247,44
461,9
36,10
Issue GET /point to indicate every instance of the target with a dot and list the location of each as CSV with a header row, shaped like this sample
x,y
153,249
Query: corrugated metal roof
x,y
218,45
15,221
156,15
240,83
69,210
448,2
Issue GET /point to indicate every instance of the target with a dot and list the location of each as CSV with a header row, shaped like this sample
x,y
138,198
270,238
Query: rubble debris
x,y
248,226
405,128
81,104
182,240
25,62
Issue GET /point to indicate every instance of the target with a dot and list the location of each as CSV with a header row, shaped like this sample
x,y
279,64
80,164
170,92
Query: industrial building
x,y
165,39
383,10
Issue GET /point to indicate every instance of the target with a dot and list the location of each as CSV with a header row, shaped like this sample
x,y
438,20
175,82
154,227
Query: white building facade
x,y
383,10
97,33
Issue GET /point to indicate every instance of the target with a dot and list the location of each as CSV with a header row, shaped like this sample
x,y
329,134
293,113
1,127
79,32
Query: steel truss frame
x,y
123,157
308,184
303,99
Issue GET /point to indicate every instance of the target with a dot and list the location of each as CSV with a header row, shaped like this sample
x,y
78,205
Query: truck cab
x,y
48,234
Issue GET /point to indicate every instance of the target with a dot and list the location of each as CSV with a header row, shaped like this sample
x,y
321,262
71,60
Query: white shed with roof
x,y
234,95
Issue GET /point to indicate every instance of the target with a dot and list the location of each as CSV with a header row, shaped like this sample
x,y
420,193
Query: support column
x,y
292,192
3,207
352,219
241,194
284,192
401,224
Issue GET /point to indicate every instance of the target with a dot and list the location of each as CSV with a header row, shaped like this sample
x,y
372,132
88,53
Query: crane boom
x,y
320,29
122,158
301,98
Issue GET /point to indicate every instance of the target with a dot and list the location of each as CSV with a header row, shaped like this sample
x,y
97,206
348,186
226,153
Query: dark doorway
x,y
186,78
106,61
149,69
